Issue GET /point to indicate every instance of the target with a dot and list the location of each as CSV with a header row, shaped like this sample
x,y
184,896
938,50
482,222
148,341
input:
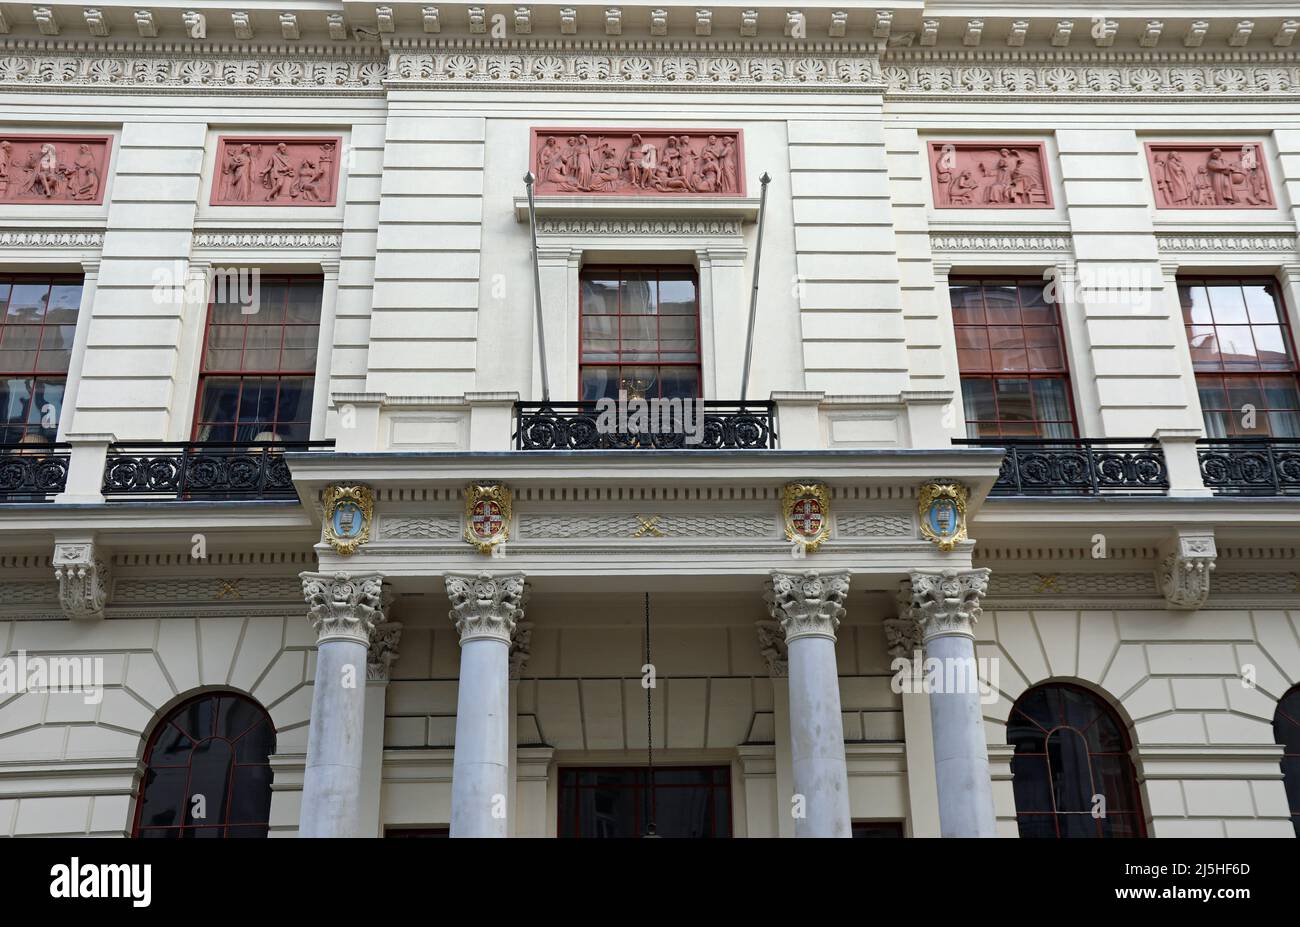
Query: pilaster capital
x,y
1184,572
381,653
343,606
772,647
84,575
808,604
903,634
486,606
521,647
947,603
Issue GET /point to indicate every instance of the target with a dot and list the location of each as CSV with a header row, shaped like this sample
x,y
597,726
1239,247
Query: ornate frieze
x,y
381,653
808,604
486,605
632,524
418,527
1002,242
83,579
257,238
343,605
288,171
631,225
948,602
1231,242
66,170
1209,175
51,238
1184,574
990,175
639,163
875,525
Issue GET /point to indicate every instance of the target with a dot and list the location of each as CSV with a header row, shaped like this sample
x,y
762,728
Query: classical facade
x,y
582,420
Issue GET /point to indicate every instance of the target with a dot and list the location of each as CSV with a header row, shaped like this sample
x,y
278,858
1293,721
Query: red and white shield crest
x,y
486,519
807,517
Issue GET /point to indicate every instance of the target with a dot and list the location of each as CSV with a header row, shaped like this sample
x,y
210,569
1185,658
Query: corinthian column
x,y
485,609
809,607
947,605
343,608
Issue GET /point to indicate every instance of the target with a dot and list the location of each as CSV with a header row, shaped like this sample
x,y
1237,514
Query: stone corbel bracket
x,y
84,577
1183,575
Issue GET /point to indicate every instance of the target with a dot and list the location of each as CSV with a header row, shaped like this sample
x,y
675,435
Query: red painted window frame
x,y
723,787
591,270
278,374
1063,375
51,280
1225,377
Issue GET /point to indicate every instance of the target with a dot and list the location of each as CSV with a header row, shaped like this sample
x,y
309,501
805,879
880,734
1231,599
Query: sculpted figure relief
x,y
983,175
635,163
52,170
1209,176
275,172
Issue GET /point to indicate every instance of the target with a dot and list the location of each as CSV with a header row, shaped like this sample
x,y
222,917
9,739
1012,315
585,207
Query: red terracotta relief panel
x,y
653,162
53,169
990,175
1209,175
275,171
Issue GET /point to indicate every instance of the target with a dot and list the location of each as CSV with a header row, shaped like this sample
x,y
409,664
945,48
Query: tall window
x,y
38,318
686,801
215,746
1071,772
259,367
640,332
1243,355
1286,731
1015,380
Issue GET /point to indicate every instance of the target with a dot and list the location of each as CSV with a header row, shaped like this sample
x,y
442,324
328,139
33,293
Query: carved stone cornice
x,y
1184,574
1098,75
948,603
807,604
772,647
51,238
637,65
1214,242
1011,243
84,578
343,606
521,647
634,225
486,606
258,238
381,653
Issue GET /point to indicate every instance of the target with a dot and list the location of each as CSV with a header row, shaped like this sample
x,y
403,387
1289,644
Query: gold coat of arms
x,y
349,510
942,508
487,515
806,511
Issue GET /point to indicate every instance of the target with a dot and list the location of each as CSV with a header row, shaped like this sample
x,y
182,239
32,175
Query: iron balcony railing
x,y
1078,466
587,426
33,472
193,470
1250,466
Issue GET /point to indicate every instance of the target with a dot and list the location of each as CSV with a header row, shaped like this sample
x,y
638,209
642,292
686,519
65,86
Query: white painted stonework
x,y
1187,626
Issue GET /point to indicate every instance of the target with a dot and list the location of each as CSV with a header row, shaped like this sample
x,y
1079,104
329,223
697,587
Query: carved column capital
x,y
381,654
486,605
772,647
343,606
807,604
948,602
1184,574
84,576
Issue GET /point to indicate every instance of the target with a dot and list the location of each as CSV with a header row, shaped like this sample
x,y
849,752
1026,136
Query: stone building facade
x,y
302,465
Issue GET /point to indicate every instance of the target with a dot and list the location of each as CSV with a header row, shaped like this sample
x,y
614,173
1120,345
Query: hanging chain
x,y
649,727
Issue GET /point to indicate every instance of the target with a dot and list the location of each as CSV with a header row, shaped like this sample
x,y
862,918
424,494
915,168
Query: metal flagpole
x,y
537,288
753,296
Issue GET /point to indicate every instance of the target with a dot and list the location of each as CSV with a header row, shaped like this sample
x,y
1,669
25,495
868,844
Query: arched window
x,y
1286,731
206,770
1071,772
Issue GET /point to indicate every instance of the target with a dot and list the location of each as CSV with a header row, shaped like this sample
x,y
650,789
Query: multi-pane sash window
x,y
1243,355
259,367
640,332
38,319
1015,379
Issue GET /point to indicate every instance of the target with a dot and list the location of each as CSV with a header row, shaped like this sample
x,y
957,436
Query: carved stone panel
x,y
624,162
59,169
275,171
1209,175
990,175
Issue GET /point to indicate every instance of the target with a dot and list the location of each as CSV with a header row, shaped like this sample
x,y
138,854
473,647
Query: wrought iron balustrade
x,y
1078,466
586,426
196,470
32,472
1251,466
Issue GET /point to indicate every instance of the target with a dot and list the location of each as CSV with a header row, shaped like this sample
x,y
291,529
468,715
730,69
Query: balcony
x,y
33,472
1078,466
185,470
578,426
1250,466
